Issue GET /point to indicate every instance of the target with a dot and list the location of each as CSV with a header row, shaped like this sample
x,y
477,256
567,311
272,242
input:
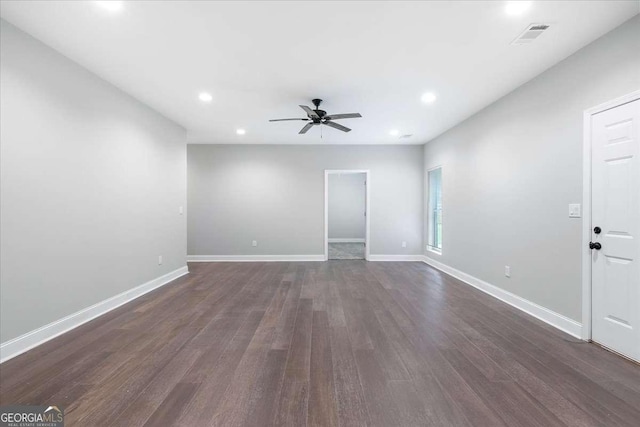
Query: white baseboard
x,y
346,240
396,258
25,342
290,258
253,258
554,319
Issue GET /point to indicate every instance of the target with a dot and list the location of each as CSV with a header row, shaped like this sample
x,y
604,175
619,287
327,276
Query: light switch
x,y
574,210
181,210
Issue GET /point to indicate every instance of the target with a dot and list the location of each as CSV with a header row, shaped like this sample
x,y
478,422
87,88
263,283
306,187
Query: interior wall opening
x,y
346,215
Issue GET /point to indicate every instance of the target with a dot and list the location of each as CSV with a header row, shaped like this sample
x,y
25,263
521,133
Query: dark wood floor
x,y
345,343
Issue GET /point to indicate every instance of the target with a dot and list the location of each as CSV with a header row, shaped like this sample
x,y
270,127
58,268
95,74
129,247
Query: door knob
x,y
597,230
597,246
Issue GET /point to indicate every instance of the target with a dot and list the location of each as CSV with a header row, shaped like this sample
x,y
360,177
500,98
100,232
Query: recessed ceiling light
x,y
517,7
428,97
394,132
241,131
111,6
205,97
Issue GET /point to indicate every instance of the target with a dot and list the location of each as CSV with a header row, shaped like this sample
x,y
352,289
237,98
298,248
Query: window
x,y
435,210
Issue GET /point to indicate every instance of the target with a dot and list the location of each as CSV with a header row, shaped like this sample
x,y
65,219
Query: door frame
x,y
367,219
586,204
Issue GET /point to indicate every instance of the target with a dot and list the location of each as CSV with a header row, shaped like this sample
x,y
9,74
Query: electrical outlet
x,y
404,244
507,271
254,243
160,260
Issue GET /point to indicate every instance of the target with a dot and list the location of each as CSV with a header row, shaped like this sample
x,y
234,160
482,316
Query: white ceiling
x,y
261,59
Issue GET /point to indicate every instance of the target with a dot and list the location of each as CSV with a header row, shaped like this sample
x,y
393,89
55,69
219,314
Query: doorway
x,y
611,261
346,214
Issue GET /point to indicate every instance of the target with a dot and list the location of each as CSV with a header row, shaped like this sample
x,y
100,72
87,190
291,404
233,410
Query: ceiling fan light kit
x,y
316,117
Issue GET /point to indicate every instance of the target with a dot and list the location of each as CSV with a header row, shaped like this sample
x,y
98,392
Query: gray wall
x,y
347,206
91,184
510,172
275,194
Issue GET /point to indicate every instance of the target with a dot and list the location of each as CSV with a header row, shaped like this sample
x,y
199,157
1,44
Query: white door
x,y
615,213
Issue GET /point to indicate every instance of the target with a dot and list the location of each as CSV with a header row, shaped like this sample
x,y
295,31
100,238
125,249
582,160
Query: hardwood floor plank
x,y
293,405
287,319
171,408
454,383
439,408
204,404
528,380
50,387
39,361
262,408
390,361
410,404
378,396
322,397
352,410
358,333
126,384
591,405
508,400
147,404
240,396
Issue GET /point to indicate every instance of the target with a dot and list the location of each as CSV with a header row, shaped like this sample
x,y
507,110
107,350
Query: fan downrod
x,y
321,113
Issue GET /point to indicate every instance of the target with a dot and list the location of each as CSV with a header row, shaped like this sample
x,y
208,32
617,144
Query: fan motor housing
x,y
321,113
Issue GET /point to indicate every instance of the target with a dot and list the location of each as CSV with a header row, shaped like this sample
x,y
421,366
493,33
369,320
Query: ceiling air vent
x,y
532,32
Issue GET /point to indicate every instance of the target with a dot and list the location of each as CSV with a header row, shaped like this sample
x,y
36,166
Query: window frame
x,y
429,218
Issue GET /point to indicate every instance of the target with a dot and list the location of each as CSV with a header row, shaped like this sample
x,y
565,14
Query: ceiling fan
x,y
320,117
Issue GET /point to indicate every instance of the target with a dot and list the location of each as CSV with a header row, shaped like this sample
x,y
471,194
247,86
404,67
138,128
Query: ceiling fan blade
x,y
284,120
306,128
337,126
343,116
310,112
